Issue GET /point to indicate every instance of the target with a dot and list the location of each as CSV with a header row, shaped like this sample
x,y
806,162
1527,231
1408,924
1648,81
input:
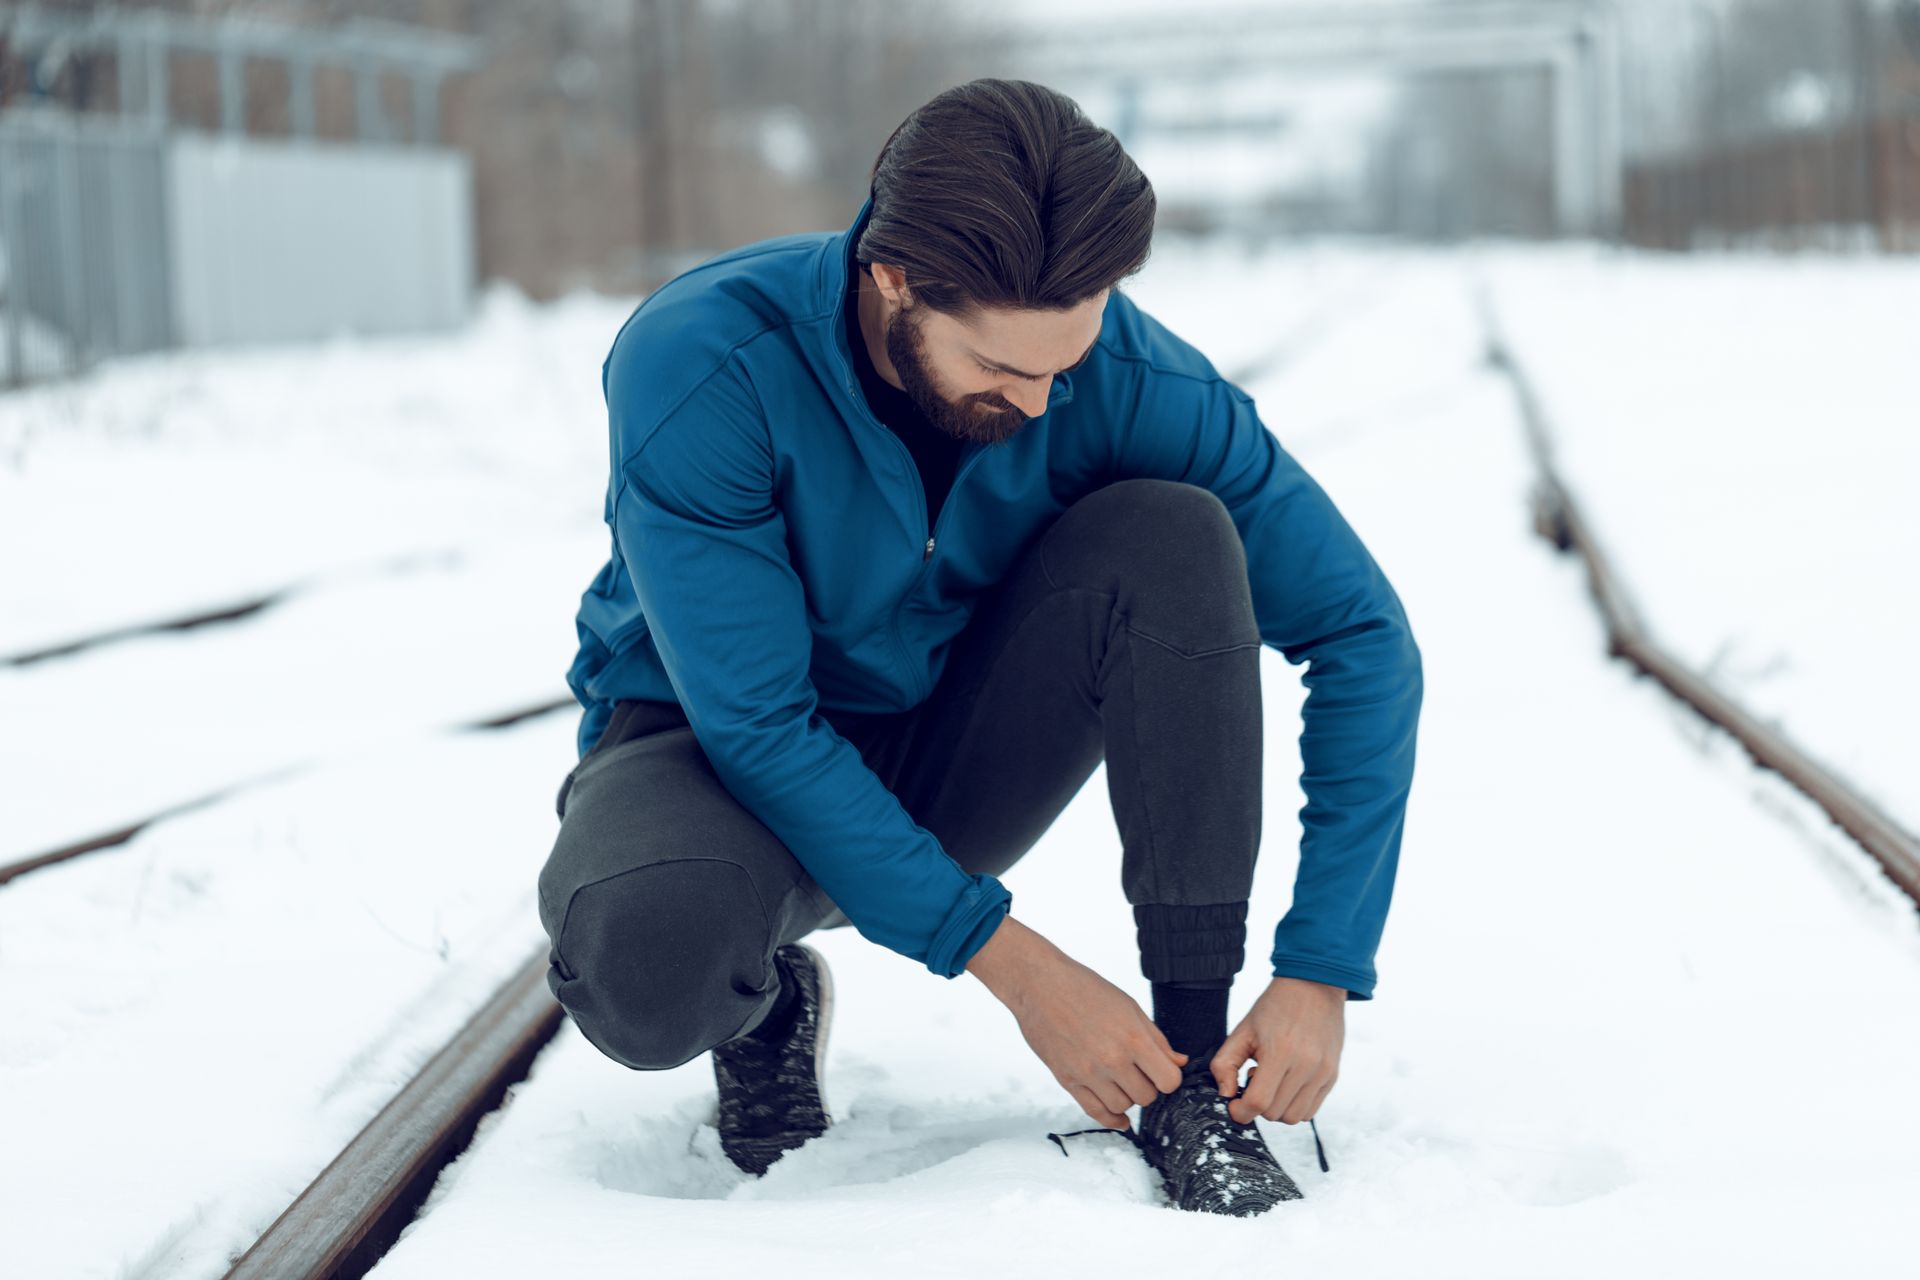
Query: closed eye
x,y
987,368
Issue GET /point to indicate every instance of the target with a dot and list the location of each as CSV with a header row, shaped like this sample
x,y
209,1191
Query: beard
x,y
985,418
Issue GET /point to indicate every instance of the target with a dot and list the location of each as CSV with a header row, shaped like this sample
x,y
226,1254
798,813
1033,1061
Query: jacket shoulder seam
x,y
1157,367
720,366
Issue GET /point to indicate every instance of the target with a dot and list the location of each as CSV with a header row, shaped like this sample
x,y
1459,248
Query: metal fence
x,y
83,242
117,238
1856,186
278,241
122,232
1774,125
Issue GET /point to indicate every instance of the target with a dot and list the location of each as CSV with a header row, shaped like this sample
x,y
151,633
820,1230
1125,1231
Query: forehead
x,y
1005,331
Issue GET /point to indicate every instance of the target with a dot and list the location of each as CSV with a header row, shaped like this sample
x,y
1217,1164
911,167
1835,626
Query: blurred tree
x,y
1789,135
616,142
613,141
1467,153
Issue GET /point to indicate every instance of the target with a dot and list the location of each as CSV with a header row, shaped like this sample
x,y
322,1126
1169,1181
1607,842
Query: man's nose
x,y
1030,398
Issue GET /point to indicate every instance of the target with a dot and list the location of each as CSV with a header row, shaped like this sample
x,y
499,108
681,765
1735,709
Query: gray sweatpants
x,y
1125,632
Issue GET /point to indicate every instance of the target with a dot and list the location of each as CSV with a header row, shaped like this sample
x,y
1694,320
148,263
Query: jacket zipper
x,y
926,550
926,563
913,468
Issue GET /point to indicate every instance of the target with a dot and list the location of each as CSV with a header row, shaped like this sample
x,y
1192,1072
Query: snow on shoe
x,y
1208,1161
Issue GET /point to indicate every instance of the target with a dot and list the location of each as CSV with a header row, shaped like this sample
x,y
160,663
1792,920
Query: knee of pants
x,y
1169,550
658,964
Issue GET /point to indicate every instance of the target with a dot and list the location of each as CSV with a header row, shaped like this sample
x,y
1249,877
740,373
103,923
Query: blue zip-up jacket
x,y
770,559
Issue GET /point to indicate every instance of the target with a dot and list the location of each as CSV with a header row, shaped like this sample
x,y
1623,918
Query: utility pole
x,y
657,37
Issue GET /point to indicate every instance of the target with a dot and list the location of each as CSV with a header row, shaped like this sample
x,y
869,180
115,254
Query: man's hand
x,y
1099,1044
1295,1032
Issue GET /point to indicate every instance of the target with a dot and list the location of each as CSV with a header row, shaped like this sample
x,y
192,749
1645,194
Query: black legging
x,y
1125,631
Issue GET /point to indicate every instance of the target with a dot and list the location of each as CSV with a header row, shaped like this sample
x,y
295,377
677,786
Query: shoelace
x,y
1132,1135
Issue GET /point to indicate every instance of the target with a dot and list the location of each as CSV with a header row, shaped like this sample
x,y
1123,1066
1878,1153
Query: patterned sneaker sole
x,y
824,978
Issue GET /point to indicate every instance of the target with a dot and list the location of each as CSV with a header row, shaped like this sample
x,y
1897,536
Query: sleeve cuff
x,y
972,920
1359,984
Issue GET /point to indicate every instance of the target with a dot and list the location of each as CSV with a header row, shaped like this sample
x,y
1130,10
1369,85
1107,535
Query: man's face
x,y
983,381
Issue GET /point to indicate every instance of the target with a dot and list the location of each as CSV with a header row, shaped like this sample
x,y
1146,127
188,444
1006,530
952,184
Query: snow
x,y
166,485
196,1022
1742,437
1633,992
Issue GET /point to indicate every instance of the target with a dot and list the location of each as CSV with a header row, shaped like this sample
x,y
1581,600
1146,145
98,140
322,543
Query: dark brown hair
x,y
1002,193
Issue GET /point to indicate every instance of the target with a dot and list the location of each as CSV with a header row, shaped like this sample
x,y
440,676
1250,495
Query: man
x,y
913,526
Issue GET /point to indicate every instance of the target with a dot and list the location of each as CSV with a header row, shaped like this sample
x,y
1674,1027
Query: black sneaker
x,y
771,1095
1209,1162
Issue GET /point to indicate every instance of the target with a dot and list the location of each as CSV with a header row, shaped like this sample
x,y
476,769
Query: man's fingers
x,y
1091,1104
1113,1096
1226,1066
1166,1045
1292,1086
1138,1085
1312,1107
1258,1095
1162,1067
1165,1075
1226,1081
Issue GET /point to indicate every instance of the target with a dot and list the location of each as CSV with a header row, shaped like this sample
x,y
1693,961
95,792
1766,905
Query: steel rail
x,y
350,1215
188,622
233,610
1558,518
120,835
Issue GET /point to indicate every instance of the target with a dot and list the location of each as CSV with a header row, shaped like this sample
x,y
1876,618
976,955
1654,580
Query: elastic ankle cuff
x,y
1188,943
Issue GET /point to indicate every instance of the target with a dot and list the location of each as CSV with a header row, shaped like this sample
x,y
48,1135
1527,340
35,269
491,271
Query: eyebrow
x,y
1021,373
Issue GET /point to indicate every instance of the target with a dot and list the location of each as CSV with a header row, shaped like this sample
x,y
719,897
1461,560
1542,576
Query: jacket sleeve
x,y
1319,598
697,522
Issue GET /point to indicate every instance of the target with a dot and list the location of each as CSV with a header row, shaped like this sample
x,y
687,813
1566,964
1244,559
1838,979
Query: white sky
x,y
1326,114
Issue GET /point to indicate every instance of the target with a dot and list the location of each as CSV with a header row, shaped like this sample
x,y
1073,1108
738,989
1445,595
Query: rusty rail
x,y
120,835
1558,518
350,1215
232,611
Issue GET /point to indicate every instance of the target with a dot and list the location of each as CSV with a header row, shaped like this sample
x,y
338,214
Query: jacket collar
x,y
831,276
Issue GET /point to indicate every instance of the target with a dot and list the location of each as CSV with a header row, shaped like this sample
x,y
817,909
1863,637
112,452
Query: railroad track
x,y
1339,309
343,1223
120,835
350,1215
234,610
1559,519
1343,305
353,1211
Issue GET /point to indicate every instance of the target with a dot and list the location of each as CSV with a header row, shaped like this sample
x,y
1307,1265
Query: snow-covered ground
x,y
1591,1047
1745,437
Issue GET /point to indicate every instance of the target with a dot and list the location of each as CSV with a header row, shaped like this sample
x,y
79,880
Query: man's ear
x,y
893,284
